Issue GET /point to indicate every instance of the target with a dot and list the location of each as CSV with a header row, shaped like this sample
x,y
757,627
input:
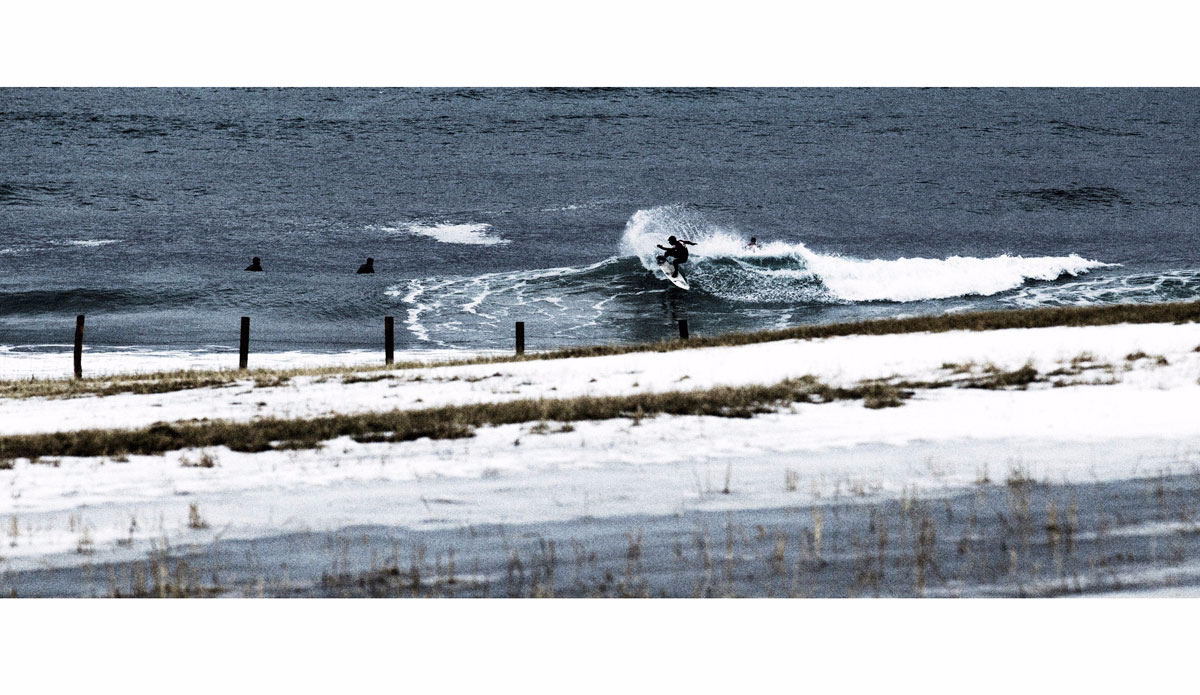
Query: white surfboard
x,y
666,266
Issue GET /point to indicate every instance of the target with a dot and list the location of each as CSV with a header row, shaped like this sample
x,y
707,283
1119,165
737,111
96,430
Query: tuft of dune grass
x,y
1017,378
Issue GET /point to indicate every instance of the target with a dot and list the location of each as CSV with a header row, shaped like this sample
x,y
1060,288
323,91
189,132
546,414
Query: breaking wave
x,y
721,265
732,287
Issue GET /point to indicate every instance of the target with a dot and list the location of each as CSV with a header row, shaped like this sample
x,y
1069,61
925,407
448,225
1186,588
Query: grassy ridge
x,y
445,422
974,321
457,421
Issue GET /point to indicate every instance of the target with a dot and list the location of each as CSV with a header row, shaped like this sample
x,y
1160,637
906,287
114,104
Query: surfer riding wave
x,y
676,250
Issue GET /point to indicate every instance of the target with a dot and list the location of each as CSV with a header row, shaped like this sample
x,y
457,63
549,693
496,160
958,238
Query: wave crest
x,y
721,265
915,279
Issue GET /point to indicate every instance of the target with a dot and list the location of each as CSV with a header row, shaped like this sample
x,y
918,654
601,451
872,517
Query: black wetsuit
x,y
677,251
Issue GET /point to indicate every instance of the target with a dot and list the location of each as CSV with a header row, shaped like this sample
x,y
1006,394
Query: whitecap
x,y
475,233
915,279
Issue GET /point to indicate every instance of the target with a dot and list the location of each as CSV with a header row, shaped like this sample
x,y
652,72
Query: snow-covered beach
x,y
1085,479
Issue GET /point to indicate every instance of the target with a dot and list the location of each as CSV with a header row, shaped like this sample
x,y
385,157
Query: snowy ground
x,y
56,361
1088,487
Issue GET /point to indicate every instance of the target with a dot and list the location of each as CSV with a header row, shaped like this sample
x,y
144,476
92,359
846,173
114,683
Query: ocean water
x,y
141,207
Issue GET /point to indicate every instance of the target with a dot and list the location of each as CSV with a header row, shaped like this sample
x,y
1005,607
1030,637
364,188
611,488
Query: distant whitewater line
x,y
474,233
77,243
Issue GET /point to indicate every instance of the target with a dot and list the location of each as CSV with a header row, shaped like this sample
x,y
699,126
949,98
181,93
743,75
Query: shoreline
x,y
1032,423
58,365
117,362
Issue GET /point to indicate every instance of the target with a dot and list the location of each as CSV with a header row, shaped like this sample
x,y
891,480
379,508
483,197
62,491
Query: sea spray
x,y
723,265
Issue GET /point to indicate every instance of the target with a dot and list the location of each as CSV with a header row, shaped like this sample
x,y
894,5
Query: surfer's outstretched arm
x,y
689,243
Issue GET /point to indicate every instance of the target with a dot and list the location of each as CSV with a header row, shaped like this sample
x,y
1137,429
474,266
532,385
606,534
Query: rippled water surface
x,y
141,207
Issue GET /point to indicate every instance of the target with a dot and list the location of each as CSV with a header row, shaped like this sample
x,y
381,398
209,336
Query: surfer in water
x,y
676,250
255,264
753,245
368,267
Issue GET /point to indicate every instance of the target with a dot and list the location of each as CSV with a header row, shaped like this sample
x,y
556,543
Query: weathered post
x,y
520,337
389,339
683,330
244,346
79,346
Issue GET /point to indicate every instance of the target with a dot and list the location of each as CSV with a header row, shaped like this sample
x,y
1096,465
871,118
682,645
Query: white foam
x,y
845,278
913,279
34,248
416,288
489,297
1175,285
569,208
475,233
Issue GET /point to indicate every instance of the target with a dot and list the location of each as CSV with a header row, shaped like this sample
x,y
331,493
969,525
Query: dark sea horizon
x,y
141,207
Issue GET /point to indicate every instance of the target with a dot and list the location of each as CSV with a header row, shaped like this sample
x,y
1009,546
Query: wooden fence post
x,y
389,339
244,345
683,329
79,346
520,337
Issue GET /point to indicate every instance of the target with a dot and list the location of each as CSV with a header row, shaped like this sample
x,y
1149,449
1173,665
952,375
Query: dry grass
x,y
460,421
364,379
974,321
1159,360
1000,380
447,422
1019,537
882,395
160,576
205,460
159,382
195,521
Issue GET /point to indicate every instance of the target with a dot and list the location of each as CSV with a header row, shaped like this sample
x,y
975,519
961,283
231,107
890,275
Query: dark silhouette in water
x,y
368,267
255,264
677,250
753,245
